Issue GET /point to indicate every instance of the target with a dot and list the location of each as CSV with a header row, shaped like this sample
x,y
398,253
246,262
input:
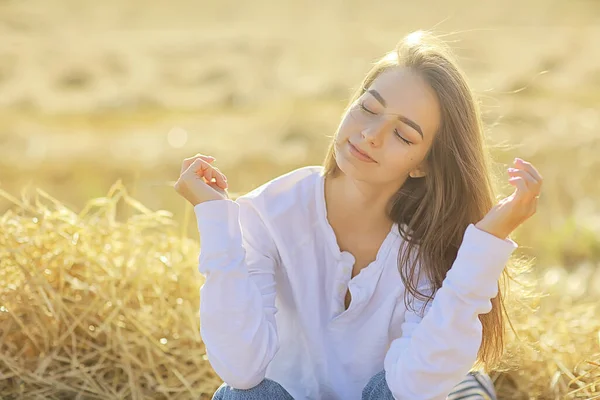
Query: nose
x,y
373,134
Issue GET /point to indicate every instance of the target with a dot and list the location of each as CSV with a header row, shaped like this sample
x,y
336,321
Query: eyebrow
x,y
407,121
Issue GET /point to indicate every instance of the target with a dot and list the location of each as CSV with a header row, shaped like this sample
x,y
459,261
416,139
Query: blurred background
x,y
92,92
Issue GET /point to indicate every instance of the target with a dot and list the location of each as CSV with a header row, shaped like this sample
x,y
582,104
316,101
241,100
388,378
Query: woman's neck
x,y
360,205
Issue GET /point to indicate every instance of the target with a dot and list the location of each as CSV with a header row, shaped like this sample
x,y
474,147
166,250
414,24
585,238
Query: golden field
x,y
102,299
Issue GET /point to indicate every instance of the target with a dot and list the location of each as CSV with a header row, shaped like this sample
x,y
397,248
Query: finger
x,y
197,168
530,168
206,171
203,156
209,174
531,182
522,190
188,161
220,178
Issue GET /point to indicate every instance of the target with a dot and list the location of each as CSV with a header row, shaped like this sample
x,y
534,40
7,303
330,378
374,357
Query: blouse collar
x,y
328,229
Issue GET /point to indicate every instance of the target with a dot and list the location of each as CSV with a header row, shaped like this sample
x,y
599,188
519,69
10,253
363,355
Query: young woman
x,y
375,276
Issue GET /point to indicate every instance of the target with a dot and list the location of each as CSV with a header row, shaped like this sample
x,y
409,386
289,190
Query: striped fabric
x,y
477,386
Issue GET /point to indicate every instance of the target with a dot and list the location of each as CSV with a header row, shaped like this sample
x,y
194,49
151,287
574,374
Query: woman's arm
x,y
237,300
436,352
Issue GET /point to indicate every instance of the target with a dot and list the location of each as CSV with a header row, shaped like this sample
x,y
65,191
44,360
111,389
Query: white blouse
x,y
272,304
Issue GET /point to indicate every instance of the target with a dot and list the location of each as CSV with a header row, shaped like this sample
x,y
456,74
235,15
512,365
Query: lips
x,y
360,152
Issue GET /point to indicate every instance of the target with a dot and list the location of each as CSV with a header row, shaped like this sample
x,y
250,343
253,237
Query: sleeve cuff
x,y
480,261
219,226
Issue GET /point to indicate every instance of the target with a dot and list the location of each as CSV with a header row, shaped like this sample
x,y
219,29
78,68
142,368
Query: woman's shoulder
x,y
292,188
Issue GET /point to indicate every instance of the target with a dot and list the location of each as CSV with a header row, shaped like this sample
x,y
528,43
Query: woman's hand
x,y
195,182
512,211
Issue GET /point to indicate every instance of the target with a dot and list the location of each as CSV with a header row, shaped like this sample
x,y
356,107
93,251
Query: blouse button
x,y
341,288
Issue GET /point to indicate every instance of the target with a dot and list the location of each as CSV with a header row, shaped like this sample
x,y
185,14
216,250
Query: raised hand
x,y
513,210
199,181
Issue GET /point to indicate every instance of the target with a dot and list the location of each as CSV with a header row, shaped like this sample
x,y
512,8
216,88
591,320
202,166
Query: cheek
x,y
398,160
346,127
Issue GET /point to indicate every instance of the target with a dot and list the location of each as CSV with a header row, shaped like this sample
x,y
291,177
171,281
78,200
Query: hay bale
x,y
94,308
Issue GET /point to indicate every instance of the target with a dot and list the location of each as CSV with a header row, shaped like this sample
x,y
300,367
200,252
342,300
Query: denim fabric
x,y
266,390
377,388
476,386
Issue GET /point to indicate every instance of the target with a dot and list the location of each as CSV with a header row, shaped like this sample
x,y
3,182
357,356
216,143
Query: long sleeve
x,y
436,351
237,300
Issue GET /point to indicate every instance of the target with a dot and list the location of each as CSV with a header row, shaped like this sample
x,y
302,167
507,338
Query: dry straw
x,y
95,308
92,308
554,352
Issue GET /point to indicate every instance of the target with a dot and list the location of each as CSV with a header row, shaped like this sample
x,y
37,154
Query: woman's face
x,y
394,123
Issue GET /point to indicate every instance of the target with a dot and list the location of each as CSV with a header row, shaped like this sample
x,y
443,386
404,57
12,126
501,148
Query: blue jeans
x,y
476,386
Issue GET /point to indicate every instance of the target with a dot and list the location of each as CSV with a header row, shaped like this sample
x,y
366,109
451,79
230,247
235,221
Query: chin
x,y
349,167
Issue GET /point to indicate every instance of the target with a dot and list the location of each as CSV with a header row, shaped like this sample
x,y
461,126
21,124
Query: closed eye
x,y
398,134
362,106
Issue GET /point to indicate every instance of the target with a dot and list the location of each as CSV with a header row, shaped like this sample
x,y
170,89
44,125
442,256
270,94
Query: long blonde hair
x,y
433,212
